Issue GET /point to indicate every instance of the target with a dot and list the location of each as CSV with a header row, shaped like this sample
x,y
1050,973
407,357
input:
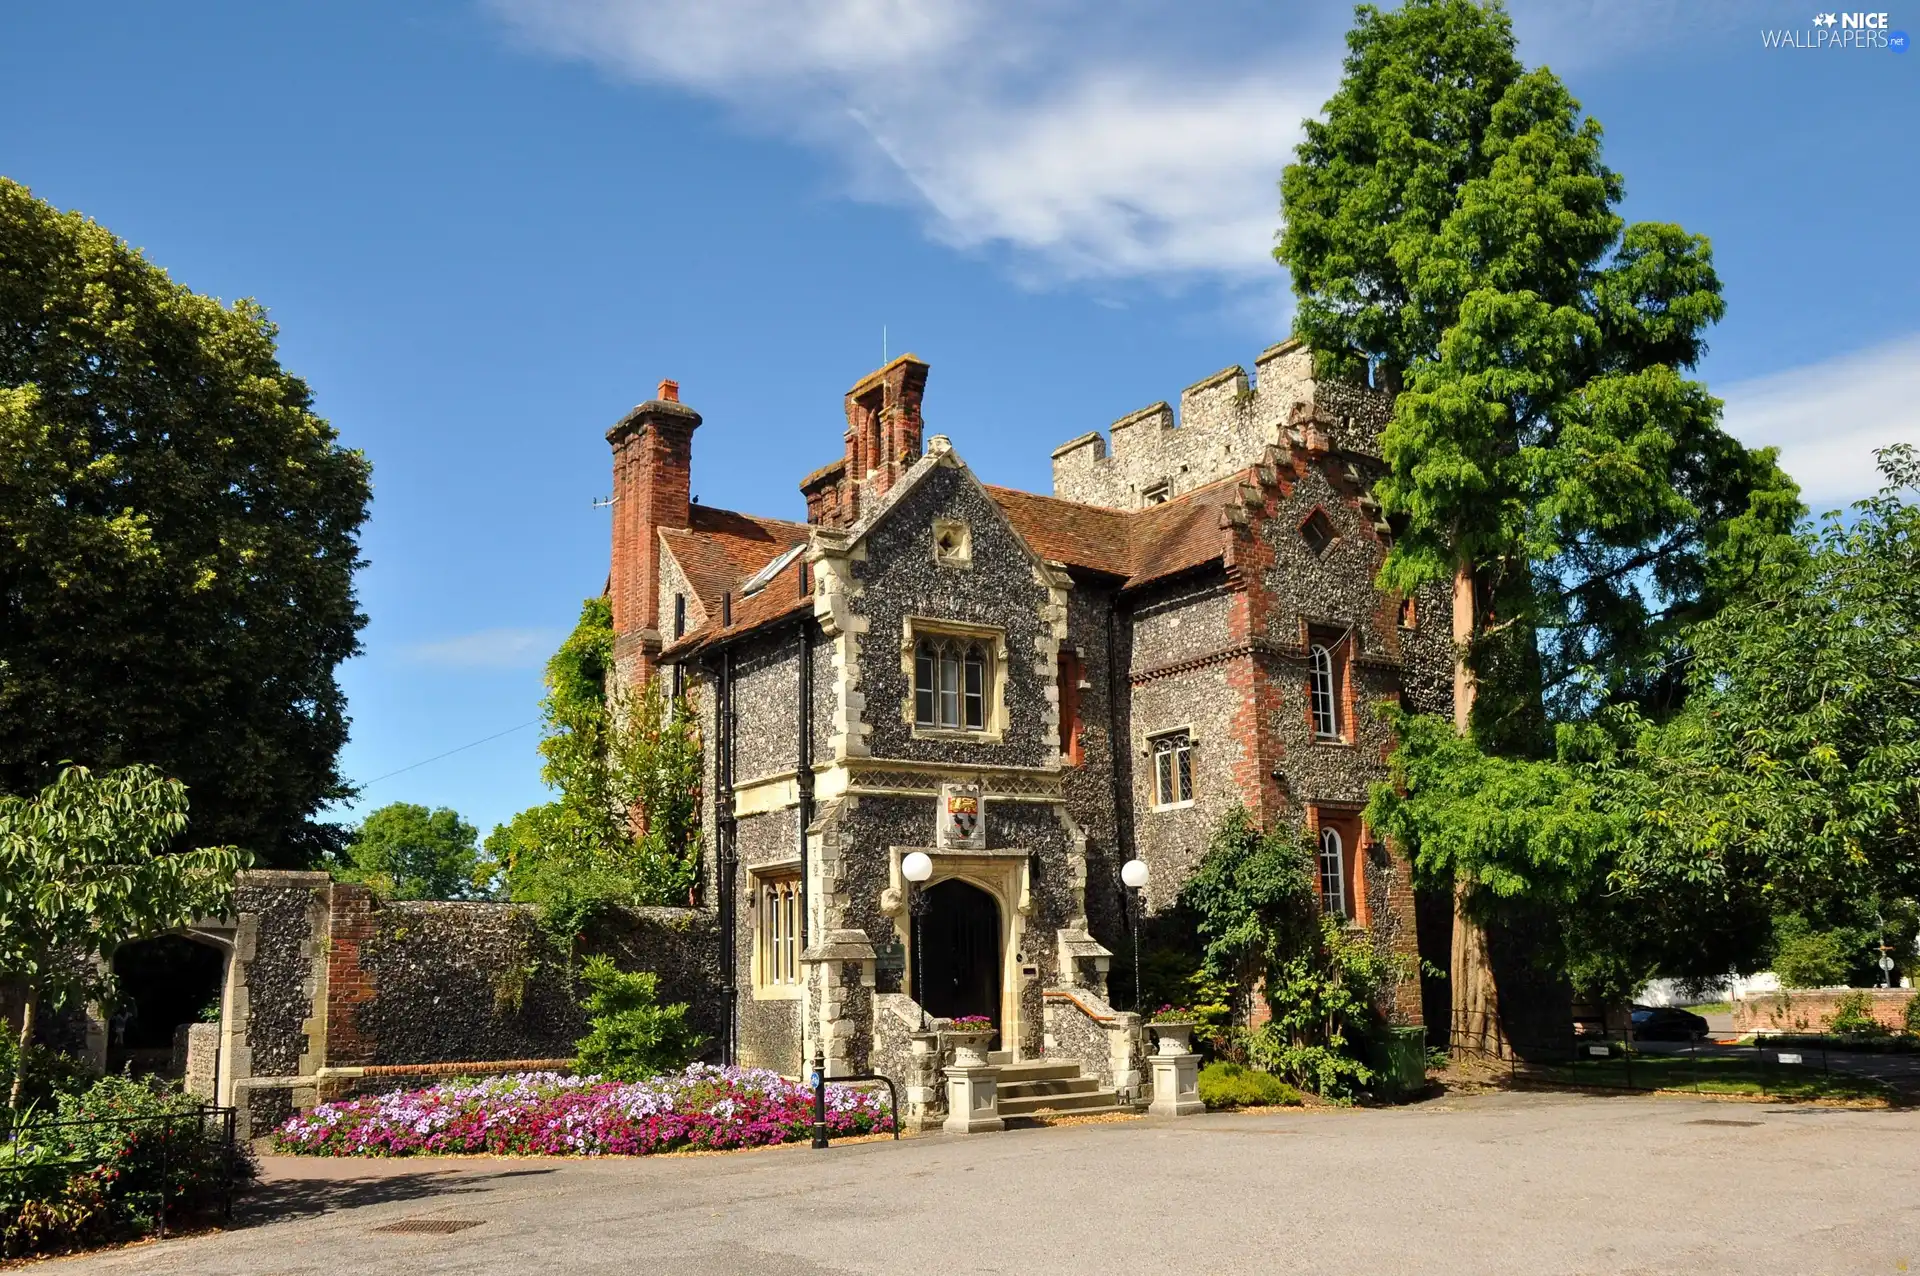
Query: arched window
x,y
1333,873
1326,716
950,684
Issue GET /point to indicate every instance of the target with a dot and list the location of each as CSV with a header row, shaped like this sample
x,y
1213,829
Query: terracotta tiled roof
x,y
1086,536
721,549
1180,534
1139,546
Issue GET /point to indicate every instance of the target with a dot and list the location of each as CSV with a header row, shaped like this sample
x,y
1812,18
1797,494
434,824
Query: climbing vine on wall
x,y
625,826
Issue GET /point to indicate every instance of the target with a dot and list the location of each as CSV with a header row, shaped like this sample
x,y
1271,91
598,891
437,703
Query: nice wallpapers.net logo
x,y
1838,31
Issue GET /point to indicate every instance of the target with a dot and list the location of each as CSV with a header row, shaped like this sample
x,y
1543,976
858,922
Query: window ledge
x,y
1173,806
956,733
778,992
1333,741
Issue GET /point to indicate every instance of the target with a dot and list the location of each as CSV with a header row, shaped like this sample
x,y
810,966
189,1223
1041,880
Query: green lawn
x,y
1710,1076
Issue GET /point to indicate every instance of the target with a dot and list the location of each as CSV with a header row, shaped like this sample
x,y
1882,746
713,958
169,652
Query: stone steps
x,y
1079,1101
1032,1119
1051,1085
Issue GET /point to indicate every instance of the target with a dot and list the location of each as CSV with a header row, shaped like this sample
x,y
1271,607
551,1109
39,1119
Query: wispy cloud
x,y
487,649
1110,141
1826,418
1084,139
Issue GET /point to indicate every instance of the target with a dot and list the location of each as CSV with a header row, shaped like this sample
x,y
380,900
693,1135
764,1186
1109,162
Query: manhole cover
x,y
434,1226
1718,1121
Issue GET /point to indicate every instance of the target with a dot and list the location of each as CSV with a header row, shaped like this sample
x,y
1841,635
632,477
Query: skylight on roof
x,y
764,577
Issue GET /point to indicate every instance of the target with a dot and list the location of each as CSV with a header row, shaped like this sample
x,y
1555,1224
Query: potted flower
x,y
969,1035
1173,1026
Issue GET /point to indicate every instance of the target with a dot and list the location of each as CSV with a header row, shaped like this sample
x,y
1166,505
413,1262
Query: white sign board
x,y
1788,1058
1599,1052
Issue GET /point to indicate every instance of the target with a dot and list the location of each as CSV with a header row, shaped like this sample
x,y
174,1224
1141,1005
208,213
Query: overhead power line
x,y
472,744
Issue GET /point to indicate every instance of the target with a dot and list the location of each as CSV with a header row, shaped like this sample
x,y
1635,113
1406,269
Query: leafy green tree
x,y
1806,739
625,826
177,539
405,851
86,866
1808,958
633,1036
1451,233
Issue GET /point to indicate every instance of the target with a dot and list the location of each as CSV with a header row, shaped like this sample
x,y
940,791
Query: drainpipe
x,y
728,861
803,763
1119,749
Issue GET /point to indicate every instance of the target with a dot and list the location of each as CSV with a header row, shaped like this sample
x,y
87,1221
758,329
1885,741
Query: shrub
x,y
1815,958
1853,1017
633,1036
1912,1015
69,1185
48,1074
1228,1085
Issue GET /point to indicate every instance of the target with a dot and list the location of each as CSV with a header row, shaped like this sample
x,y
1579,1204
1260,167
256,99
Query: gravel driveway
x,y
1520,1183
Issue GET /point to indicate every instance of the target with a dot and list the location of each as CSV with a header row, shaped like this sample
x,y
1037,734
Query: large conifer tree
x,y
1451,232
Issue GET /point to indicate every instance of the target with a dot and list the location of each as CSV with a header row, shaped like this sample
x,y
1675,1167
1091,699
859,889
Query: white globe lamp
x,y
918,867
1134,874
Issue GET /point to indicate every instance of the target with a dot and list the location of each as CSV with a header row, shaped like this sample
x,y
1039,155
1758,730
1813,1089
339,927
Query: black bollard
x,y
819,1099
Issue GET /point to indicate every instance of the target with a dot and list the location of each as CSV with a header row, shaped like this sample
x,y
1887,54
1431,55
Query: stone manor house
x,y
1030,689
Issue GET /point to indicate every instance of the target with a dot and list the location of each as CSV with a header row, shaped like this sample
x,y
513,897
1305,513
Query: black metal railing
x,y
194,1154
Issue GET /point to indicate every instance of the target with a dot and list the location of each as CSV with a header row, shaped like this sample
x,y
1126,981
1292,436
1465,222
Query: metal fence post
x,y
166,1130
819,1098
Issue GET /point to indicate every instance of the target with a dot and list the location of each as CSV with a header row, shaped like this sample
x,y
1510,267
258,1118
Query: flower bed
x,y
545,1114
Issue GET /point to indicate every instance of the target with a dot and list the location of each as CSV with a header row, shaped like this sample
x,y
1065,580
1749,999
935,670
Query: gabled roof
x,y
722,549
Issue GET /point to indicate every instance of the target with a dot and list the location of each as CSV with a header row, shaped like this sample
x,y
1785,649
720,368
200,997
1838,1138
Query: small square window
x,y
1156,494
1172,768
1317,532
952,543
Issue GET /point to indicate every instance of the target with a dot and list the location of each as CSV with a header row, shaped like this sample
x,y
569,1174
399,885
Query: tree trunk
x,y
1476,1001
27,1009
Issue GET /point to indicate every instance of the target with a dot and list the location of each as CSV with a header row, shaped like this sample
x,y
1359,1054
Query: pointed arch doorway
x,y
958,971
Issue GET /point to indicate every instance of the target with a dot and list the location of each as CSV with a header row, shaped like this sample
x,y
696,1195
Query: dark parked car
x,y
1667,1023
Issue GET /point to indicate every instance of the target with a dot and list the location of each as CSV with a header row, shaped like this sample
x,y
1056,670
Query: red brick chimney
x,y
883,432
652,477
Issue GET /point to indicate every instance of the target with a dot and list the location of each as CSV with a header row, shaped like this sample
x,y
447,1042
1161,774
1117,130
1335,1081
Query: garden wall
x,y
335,991
1812,1009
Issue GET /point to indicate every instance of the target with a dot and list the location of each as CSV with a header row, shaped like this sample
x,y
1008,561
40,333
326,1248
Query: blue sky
x,y
488,227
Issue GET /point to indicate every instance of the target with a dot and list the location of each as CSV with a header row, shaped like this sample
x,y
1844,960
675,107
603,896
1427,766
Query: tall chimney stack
x,y
652,489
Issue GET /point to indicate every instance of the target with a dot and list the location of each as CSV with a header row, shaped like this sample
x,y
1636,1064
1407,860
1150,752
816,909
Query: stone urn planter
x,y
1175,1037
969,1046
1176,1071
973,1084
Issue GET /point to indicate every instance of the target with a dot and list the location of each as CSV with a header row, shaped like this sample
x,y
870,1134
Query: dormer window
x,y
1157,494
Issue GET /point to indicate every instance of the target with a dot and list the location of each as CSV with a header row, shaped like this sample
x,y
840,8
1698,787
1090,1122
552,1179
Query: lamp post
x,y
1134,875
917,867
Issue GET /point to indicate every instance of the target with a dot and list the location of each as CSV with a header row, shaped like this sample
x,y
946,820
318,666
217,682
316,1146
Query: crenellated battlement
x,y
1224,425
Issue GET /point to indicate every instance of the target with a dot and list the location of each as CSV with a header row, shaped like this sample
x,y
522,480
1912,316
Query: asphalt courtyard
x,y
1533,1183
